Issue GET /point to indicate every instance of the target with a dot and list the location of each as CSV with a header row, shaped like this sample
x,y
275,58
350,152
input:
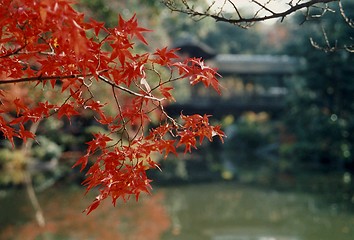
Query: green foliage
x,y
46,149
252,140
321,103
100,10
226,38
12,166
252,130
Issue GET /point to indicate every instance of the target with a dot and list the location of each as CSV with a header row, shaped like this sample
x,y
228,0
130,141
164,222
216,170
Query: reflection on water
x,y
146,219
219,211
231,212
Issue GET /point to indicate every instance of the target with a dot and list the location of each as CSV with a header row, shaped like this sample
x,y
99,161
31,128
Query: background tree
x,y
235,40
321,103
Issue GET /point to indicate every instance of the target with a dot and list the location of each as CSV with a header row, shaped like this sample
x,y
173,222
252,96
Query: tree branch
x,y
349,21
113,84
245,21
41,78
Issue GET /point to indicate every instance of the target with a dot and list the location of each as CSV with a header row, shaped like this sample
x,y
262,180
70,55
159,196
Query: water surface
x,y
215,211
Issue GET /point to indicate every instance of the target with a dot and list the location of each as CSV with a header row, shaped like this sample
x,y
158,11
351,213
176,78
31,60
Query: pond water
x,y
214,211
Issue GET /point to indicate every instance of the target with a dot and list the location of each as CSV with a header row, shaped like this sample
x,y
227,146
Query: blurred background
x,y
285,171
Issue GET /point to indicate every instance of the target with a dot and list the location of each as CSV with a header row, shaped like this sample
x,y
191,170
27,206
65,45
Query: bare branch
x,y
222,15
264,6
328,47
42,78
349,48
349,21
113,84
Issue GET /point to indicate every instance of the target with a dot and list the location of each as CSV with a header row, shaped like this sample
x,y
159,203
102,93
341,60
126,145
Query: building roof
x,y
255,64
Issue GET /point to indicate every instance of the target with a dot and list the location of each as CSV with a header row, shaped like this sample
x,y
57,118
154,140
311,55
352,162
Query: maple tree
x,y
62,61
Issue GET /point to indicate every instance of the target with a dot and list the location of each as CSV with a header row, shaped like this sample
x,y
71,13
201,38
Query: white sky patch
x,y
275,5
250,6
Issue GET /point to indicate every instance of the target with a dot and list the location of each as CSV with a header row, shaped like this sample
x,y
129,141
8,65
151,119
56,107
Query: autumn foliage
x,y
67,65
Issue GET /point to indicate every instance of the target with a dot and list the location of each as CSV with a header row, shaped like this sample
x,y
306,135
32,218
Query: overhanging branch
x,y
113,84
240,20
42,78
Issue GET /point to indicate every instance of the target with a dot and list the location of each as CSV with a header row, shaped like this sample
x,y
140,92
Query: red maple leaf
x,y
188,139
20,106
131,27
24,134
100,141
68,110
164,56
202,73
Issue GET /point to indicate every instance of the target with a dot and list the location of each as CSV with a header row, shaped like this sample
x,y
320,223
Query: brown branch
x,y
125,130
127,90
104,79
42,78
16,51
241,20
264,6
236,9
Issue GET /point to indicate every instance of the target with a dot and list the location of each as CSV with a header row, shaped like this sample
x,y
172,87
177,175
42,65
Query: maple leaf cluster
x,y
49,46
